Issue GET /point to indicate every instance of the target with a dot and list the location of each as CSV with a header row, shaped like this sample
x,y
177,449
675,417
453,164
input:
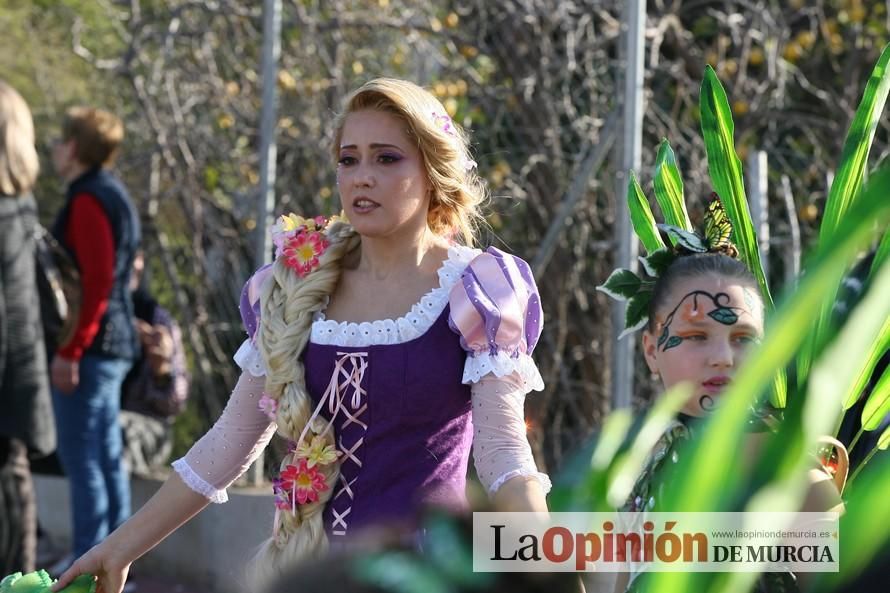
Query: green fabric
x,y
41,582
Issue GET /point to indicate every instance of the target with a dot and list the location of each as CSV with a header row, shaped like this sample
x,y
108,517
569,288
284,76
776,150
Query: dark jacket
x,y
26,411
116,337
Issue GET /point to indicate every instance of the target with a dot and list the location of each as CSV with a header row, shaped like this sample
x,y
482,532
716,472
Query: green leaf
x,y
884,441
882,254
878,404
628,467
641,216
583,480
673,342
840,363
686,239
657,262
726,174
854,157
867,367
669,188
621,285
637,313
848,179
724,315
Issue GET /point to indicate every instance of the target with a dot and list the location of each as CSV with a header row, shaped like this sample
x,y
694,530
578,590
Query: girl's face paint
x,y
702,334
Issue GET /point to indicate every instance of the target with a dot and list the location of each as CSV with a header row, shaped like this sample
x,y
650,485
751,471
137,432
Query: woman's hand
x,y
111,573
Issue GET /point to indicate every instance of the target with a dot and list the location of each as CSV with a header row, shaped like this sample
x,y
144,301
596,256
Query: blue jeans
x,y
90,449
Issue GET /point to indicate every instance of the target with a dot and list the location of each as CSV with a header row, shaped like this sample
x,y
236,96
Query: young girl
x,y
705,314
372,344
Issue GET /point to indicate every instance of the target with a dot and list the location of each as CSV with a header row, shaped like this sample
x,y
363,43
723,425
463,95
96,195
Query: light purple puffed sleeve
x,y
248,356
496,310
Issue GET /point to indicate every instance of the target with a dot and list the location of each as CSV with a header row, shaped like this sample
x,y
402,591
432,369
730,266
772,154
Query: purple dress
x,y
409,440
399,389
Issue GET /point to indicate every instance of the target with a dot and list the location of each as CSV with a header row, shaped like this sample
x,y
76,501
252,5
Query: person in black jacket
x,y
26,414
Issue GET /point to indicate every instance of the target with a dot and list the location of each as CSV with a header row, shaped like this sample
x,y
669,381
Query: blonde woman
x,y
26,419
381,349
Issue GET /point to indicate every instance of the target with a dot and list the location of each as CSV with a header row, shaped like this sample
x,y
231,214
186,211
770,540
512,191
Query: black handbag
x,y
59,289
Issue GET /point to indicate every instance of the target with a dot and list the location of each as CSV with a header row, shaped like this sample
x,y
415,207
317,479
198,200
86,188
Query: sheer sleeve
x,y
244,429
500,446
231,446
496,310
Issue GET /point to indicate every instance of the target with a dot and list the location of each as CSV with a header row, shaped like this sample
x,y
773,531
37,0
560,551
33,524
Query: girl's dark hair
x,y
692,266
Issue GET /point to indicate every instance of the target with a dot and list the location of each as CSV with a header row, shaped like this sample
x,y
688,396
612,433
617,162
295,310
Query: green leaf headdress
x,y
624,284
725,170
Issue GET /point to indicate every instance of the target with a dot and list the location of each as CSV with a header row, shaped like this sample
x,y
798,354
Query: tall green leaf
x,y
854,157
884,440
726,173
867,367
840,365
848,179
882,254
641,216
878,404
627,467
669,188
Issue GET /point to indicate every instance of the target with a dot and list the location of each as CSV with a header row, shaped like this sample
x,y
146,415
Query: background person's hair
x,y
19,164
457,190
96,133
695,266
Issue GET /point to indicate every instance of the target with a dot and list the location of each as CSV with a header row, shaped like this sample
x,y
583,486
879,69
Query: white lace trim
x,y
501,365
197,483
543,478
249,359
404,329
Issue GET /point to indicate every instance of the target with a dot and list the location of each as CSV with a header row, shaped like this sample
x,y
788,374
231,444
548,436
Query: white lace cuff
x,y
249,359
196,483
542,478
501,365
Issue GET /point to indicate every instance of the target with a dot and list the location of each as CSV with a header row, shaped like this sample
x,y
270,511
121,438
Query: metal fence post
x,y
631,149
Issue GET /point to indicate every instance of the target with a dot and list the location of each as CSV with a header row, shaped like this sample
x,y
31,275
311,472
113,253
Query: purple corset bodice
x,y
405,435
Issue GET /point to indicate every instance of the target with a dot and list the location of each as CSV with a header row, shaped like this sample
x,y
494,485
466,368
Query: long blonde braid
x,y
288,303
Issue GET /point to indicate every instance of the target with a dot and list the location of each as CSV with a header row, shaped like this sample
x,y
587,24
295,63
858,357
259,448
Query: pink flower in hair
x,y
268,406
444,122
302,483
301,252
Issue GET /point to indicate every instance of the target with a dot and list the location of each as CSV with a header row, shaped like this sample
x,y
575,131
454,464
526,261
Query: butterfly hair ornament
x,y
626,285
717,233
